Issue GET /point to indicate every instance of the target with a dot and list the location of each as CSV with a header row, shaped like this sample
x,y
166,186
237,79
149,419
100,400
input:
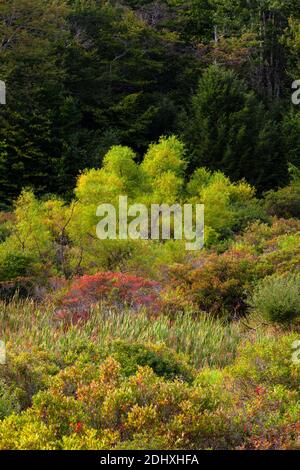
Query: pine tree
x,y
232,131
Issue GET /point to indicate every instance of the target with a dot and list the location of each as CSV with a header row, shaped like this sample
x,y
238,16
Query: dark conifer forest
x,y
82,76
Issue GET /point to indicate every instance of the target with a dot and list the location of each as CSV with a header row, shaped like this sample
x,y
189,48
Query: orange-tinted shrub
x,y
220,283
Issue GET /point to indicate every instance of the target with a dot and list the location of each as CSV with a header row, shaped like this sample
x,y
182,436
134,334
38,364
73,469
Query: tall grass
x,y
204,341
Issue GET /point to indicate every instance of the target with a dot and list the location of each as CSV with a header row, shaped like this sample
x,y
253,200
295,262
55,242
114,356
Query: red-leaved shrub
x,y
117,289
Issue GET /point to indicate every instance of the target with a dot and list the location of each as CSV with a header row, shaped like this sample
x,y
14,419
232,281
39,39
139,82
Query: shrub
x,y
229,207
89,439
119,289
258,235
247,214
285,202
277,298
270,419
58,412
267,362
22,287
8,400
26,432
163,361
27,373
277,245
219,286
6,220
4,232
282,254
14,265
166,156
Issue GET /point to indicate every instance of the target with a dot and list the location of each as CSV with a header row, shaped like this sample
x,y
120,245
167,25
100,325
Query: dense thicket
x,y
85,75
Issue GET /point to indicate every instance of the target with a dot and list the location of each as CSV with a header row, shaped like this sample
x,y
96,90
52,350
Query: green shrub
x,y
4,232
14,265
90,439
267,361
58,411
277,298
285,202
27,373
8,400
26,432
6,219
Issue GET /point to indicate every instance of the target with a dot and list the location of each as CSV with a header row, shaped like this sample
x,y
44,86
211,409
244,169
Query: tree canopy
x,y
84,76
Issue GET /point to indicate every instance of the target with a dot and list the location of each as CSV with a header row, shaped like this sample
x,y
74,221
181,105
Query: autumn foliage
x,y
119,289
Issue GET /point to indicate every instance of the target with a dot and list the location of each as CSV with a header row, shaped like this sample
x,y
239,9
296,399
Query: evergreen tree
x,y
231,131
